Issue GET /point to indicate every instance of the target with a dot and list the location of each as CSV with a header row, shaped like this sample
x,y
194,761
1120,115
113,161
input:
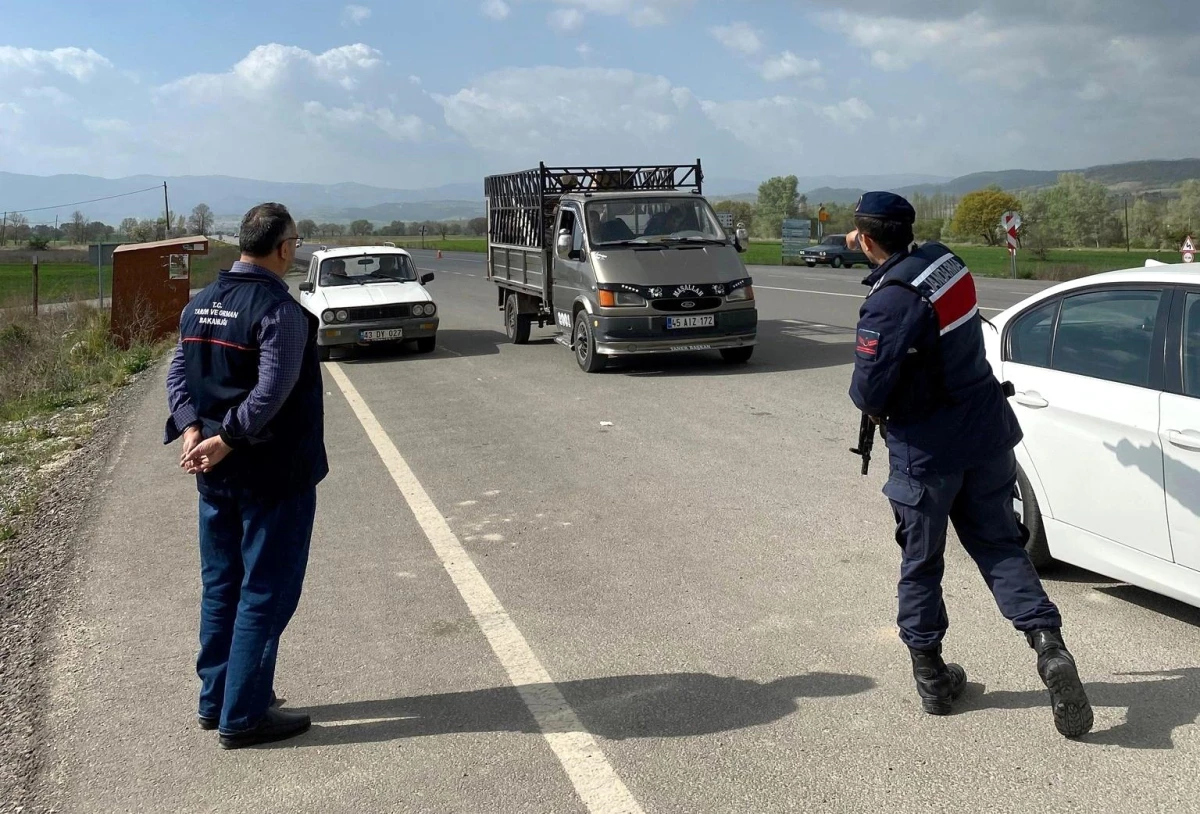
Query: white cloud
x,y
355,15
54,95
77,63
527,112
566,20
738,37
640,13
788,66
848,113
584,50
495,9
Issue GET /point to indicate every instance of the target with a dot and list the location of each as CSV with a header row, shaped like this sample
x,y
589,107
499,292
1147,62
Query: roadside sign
x,y
797,235
1010,222
1189,250
1188,257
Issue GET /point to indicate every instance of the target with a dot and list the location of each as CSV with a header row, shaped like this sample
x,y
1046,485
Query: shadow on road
x,y
1154,709
669,705
451,343
782,346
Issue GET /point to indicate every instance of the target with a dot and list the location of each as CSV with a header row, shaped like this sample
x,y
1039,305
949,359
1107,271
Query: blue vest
x,y
948,411
220,331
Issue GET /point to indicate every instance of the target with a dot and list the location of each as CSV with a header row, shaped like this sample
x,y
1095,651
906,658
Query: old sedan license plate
x,y
705,321
387,333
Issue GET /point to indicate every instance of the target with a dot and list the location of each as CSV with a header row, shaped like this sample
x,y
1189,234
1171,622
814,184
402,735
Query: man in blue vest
x,y
920,368
244,391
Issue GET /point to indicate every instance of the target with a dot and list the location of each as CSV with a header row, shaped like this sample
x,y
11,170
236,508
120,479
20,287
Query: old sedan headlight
x,y
328,317
342,316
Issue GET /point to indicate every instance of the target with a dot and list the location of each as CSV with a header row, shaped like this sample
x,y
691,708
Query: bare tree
x,y
78,227
201,221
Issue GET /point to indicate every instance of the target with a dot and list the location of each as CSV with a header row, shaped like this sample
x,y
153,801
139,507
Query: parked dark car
x,y
832,251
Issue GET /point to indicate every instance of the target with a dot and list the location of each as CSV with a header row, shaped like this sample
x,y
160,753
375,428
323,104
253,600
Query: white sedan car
x,y
366,295
1107,377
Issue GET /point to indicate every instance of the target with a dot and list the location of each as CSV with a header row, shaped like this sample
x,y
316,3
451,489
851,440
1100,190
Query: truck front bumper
x,y
622,336
351,333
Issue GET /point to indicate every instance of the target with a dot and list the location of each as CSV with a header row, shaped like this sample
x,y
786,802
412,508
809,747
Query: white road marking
x,y
594,778
833,294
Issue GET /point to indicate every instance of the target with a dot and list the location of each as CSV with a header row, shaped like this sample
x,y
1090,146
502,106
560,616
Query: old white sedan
x,y
368,295
1107,377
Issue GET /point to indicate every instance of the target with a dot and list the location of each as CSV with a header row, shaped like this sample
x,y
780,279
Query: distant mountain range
x,y
1133,177
230,197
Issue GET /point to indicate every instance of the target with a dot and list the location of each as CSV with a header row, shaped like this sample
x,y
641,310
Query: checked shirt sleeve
x,y
282,339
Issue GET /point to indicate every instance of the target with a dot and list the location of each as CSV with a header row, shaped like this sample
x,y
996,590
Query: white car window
x,y
371,268
1107,335
1031,335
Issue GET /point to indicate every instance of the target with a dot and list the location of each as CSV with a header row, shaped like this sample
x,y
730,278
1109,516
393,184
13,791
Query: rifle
x,y
866,440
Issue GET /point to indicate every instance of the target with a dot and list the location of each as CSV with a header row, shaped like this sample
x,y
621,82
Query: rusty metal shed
x,y
151,284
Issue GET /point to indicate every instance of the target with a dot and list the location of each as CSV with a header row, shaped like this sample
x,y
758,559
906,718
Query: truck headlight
x,y
613,299
742,294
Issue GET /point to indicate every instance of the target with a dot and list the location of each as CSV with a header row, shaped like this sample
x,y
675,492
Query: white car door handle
x,y
1187,440
1031,399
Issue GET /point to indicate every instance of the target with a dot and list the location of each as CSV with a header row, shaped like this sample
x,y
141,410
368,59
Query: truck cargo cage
x,y
516,198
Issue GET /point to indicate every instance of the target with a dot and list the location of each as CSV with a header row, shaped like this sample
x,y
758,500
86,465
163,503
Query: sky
x,y
415,95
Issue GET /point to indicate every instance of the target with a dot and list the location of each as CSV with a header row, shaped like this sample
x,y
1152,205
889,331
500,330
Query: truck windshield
x,y
652,220
372,268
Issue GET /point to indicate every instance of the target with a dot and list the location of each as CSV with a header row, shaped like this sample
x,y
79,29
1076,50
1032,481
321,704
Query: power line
x,y
81,203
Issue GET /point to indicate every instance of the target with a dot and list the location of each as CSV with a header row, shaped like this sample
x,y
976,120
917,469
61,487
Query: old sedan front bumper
x,y
352,333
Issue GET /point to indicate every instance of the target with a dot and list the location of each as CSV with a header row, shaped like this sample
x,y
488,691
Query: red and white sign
x,y
1011,222
1189,250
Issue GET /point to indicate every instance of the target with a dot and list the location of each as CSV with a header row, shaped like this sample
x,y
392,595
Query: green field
x,y
65,282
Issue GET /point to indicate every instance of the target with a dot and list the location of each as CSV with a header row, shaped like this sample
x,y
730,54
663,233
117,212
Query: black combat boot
x,y
938,683
1056,666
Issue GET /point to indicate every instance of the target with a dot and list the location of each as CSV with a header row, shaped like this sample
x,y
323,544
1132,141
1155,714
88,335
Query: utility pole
x,y
167,207
3,225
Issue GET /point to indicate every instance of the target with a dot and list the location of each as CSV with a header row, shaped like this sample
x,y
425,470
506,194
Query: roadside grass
x,y
71,281
56,371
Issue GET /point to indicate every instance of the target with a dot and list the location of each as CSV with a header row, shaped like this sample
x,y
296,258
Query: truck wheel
x,y
811,265
585,346
1025,507
426,344
516,324
737,356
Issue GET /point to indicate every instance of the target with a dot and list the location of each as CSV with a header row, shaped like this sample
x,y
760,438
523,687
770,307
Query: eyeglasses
x,y
299,241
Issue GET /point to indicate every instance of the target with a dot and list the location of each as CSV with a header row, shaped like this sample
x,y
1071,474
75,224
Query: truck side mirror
x,y
564,243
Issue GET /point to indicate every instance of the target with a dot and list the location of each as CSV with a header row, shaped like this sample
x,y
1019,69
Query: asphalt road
x,y
676,561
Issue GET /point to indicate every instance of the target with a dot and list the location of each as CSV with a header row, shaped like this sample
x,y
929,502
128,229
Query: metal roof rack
x,y
514,198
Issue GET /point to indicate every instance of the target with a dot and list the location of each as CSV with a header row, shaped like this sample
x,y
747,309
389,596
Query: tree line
x,y
1074,213
475,227
16,228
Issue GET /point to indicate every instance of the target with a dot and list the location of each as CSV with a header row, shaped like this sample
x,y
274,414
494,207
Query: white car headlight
x,y
342,315
328,317
430,309
419,309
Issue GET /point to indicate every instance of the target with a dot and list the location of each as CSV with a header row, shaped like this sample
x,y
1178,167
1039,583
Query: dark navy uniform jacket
x,y
919,362
219,332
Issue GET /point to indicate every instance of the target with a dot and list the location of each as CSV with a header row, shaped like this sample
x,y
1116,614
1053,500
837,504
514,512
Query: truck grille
x,y
375,312
675,306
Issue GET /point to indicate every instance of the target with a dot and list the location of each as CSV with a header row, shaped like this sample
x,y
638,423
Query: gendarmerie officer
x,y
244,390
920,366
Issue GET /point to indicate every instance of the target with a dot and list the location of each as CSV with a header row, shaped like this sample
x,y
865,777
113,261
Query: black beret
x,y
885,206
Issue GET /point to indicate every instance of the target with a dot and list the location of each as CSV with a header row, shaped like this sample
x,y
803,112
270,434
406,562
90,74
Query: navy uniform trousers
x,y
979,502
